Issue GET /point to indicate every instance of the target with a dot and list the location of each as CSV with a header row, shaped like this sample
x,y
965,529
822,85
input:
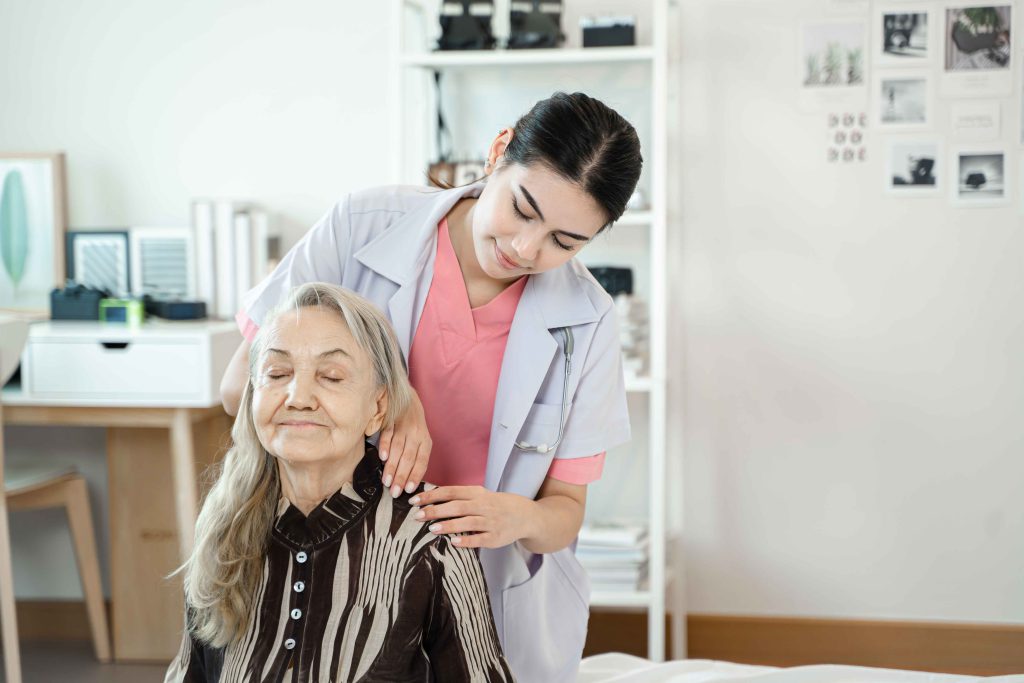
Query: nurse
x,y
512,349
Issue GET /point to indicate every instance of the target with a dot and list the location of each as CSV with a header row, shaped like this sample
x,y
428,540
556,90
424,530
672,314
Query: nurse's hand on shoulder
x,y
405,450
488,519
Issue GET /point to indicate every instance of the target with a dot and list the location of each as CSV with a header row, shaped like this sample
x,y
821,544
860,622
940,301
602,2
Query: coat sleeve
x,y
598,418
318,257
460,638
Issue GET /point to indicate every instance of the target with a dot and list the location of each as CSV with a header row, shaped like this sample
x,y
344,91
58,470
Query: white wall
x,y
851,373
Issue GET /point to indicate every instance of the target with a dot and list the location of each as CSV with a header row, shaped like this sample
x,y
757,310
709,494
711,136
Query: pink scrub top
x,y
455,364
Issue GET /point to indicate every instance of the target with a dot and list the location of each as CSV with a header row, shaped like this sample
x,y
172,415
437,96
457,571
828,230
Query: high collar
x,y
335,514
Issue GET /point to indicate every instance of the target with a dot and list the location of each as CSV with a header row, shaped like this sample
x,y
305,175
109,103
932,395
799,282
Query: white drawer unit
x,y
157,364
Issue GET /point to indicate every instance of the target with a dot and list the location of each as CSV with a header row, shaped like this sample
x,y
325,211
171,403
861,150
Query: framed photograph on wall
x,y
99,258
977,50
902,99
903,36
914,167
980,177
32,224
833,65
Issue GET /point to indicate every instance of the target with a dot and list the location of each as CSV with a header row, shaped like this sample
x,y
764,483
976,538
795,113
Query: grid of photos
x,y
963,52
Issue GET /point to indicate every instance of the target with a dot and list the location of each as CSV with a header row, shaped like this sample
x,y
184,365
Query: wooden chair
x,y
39,486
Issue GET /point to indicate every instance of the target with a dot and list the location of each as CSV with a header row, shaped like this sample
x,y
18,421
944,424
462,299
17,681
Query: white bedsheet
x,y
619,668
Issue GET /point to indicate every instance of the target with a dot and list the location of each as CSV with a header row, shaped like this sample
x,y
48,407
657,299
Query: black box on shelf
x,y
608,31
76,302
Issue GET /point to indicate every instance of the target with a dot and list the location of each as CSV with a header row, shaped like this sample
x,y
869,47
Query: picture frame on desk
x,y
33,220
99,259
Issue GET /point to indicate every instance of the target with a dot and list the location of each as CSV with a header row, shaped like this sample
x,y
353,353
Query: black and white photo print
x,y
981,178
902,100
913,167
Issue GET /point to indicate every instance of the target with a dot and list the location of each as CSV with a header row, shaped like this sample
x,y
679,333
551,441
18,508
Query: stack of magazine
x,y
614,555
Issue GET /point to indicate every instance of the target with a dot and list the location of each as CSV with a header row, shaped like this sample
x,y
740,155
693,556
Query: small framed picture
x,y
902,99
99,259
903,36
978,57
913,167
32,225
981,177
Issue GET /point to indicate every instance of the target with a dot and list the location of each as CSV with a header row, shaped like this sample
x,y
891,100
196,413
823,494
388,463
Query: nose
x,y
527,243
302,392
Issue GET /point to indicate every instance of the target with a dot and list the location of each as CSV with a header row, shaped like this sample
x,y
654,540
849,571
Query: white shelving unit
x,y
413,110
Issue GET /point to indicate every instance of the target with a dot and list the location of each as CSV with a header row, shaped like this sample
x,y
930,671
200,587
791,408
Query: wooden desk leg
x,y
144,542
183,460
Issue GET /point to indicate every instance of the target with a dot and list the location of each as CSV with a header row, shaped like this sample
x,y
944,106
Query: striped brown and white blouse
x,y
358,591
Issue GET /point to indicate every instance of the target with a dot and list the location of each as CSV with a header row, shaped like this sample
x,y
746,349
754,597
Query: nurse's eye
x,y
515,207
567,247
276,374
330,378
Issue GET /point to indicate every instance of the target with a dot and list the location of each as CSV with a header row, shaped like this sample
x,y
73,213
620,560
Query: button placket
x,y
302,568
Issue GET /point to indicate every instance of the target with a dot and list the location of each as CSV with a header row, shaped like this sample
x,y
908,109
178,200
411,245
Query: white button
x,y
289,644
301,557
296,613
299,586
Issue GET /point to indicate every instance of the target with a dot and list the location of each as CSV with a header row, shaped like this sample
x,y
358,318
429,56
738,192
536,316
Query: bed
x,y
620,668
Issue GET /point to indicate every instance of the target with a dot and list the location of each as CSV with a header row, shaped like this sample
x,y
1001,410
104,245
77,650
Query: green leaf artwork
x,y
13,226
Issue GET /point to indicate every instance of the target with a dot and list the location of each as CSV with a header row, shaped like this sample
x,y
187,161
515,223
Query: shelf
x,y
636,218
471,58
626,599
635,384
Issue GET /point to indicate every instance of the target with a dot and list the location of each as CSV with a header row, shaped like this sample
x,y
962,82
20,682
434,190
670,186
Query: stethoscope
x,y
567,350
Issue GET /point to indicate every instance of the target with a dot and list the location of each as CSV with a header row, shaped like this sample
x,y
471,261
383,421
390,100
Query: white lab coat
x,y
381,243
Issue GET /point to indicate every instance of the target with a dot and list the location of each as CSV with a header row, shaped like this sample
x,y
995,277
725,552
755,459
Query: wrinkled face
x,y
529,219
315,395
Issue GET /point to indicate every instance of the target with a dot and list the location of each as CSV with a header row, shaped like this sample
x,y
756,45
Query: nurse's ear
x,y
381,409
497,149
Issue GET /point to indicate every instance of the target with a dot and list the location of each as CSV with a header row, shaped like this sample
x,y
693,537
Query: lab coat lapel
x,y
405,252
551,300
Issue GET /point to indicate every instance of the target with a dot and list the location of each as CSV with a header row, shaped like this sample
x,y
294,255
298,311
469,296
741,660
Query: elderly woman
x,y
303,570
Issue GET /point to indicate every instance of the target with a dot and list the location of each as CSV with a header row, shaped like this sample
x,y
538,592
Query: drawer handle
x,y
115,345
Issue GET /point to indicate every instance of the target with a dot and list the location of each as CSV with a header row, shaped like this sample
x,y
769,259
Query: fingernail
x,y
396,491
383,455
456,540
387,480
415,500
435,527
420,514
410,487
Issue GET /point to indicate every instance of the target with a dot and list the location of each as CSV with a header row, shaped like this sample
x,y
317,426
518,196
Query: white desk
x,y
91,374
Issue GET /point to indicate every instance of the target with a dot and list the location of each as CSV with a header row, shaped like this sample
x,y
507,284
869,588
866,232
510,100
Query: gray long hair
x,y
226,565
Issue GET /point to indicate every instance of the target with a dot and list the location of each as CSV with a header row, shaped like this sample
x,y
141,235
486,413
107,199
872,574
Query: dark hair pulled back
x,y
584,141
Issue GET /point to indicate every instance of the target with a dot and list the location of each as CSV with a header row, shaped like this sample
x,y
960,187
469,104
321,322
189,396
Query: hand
x,y
405,450
489,519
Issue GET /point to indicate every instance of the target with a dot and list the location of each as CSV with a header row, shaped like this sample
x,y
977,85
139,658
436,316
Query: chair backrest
x,y
13,334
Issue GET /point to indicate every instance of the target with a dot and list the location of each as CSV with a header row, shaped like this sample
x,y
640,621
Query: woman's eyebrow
x,y
336,351
332,352
533,202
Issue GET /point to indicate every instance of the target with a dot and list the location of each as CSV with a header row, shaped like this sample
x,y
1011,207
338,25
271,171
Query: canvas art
x,y
31,230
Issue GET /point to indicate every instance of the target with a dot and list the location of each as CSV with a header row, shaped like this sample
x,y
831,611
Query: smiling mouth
x,y
300,424
505,261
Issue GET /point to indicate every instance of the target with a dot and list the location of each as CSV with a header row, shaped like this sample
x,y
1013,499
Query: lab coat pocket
x,y
545,620
541,425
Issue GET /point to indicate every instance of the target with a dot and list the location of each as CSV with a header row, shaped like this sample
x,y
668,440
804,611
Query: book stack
x,y
614,555
633,333
235,249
